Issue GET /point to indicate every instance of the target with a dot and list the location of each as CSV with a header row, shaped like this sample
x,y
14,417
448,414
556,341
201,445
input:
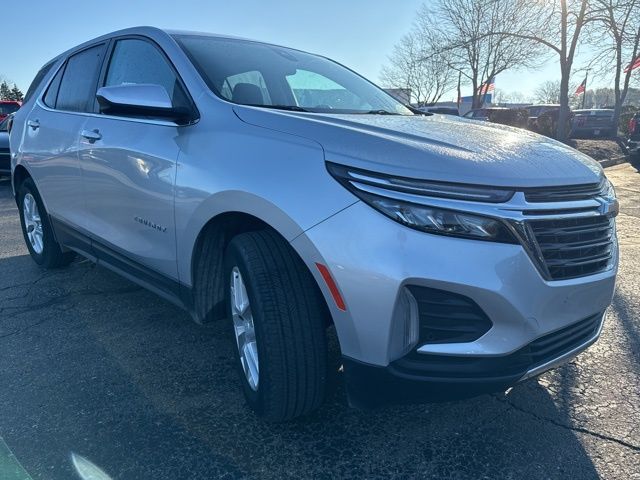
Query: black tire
x,y
289,319
52,255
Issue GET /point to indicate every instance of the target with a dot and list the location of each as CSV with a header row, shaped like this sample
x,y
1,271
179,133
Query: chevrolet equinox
x,y
283,193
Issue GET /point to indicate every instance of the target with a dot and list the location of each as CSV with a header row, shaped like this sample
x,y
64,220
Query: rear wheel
x,y
278,320
37,230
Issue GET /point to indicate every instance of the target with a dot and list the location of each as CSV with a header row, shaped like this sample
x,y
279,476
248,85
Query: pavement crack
x,y
28,284
586,431
52,302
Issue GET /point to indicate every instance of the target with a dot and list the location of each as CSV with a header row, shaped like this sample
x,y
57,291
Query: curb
x,y
610,162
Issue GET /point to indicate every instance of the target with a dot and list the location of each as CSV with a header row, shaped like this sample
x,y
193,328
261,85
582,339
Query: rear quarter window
x,y
35,85
52,92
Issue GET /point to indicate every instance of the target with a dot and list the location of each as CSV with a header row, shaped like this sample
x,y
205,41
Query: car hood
x,y
437,147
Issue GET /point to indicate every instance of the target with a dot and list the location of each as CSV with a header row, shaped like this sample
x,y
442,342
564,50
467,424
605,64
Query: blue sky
x,y
358,33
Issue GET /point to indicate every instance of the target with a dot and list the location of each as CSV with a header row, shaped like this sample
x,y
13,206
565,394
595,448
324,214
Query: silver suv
x,y
282,193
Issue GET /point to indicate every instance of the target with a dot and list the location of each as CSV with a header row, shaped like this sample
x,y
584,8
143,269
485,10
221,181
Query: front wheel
x,y
278,319
37,231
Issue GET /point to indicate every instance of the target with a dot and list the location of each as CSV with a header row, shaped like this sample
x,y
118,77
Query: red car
x,y
7,107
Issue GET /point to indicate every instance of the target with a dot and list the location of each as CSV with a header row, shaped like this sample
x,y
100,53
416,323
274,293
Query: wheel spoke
x,y
244,328
240,328
240,300
251,359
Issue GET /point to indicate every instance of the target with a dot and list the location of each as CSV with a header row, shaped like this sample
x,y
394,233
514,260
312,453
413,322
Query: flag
x,y
487,87
582,87
633,65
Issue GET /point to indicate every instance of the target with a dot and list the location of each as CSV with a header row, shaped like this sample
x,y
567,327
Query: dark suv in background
x,y
535,111
593,122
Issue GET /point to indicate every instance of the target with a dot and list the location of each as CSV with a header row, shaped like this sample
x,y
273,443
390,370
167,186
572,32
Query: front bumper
x,y
372,258
592,131
438,377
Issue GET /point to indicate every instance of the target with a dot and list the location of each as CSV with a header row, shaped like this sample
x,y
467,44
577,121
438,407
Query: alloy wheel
x,y
33,223
244,329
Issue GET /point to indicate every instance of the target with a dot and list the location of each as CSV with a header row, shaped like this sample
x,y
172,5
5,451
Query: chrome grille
x,y
576,246
568,193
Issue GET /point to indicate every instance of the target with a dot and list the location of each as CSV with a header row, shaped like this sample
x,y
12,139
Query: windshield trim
x,y
205,78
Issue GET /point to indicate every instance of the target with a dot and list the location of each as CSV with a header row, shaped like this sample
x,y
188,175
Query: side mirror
x,y
139,100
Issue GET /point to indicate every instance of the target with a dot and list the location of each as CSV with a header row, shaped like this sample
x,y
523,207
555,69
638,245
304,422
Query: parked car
x,y
441,110
633,140
482,113
535,111
7,107
281,193
5,158
593,122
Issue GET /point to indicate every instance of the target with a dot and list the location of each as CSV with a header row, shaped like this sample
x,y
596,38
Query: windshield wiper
x,y
380,112
292,108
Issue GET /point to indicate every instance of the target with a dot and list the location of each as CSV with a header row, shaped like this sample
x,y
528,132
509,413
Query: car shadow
x,y
107,369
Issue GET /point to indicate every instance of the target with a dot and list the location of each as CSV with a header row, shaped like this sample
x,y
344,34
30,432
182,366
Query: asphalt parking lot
x,y
93,366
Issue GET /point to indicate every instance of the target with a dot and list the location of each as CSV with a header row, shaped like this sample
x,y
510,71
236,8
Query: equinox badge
x,y
151,224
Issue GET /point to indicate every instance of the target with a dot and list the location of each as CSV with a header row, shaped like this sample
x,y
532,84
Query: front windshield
x,y
4,125
253,73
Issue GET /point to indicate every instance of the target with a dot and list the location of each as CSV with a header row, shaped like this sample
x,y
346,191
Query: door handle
x,y
34,124
92,135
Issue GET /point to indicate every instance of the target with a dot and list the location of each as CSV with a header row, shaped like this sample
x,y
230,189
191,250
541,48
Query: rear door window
x,y
78,85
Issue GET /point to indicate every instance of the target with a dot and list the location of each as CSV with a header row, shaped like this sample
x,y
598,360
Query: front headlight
x,y
440,221
612,205
425,218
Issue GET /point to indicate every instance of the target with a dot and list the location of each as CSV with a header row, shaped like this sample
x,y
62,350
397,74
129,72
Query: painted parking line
x,y
10,467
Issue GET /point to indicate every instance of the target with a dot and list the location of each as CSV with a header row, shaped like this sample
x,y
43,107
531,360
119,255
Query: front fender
x,y
278,178
225,203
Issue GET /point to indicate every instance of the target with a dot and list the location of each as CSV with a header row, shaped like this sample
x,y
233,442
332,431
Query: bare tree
x,y
515,96
618,44
556,25
605,97
466,34
427,76
548,92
